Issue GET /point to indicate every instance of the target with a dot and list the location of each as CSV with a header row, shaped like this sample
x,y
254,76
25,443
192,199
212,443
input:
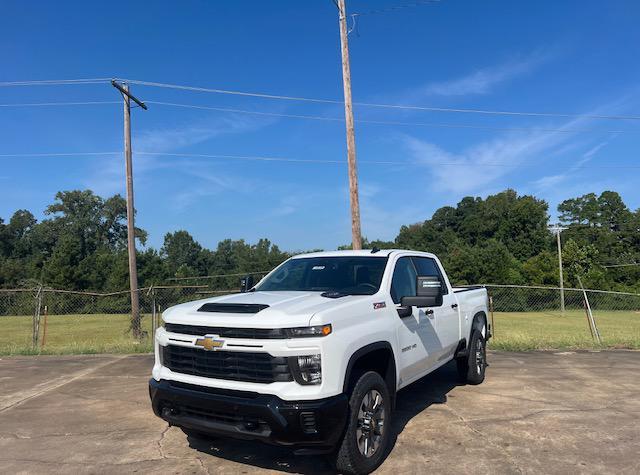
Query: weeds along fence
x,y
45,319
547,317
556,301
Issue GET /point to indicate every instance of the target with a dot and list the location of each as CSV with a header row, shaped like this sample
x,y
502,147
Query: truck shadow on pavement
x,y
419,396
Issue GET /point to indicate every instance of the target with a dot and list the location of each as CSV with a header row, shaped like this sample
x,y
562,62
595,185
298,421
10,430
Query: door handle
x,y
454,305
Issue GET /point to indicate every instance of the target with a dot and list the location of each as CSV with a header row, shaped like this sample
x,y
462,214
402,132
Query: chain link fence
x,y
528,317
60,321
45,320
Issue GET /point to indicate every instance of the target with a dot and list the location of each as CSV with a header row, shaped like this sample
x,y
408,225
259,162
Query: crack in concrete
x,y
13,435
81,464
55,384
204,467
90,398
467,423
164,456
159,442
610,407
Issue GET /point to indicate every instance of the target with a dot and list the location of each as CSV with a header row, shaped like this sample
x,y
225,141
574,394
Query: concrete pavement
x,y
539,412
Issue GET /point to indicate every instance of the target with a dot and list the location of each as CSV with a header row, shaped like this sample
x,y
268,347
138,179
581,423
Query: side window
x,y
403,282
428,267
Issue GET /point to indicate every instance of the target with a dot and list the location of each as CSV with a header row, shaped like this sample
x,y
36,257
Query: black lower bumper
x,y
315,425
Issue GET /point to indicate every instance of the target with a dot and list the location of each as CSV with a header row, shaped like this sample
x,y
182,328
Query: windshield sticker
x,y
317,268
379,305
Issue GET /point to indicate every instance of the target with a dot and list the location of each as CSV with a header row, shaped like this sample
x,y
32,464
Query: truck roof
x,y
361,253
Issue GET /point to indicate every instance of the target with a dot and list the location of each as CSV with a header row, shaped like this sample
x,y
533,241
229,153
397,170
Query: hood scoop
x,y
333,294
232,307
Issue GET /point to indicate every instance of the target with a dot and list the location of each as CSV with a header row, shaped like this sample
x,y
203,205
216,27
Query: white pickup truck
x,y
312,356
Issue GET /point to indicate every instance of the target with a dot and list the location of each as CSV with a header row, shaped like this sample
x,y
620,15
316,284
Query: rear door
x,y
417,336
447,316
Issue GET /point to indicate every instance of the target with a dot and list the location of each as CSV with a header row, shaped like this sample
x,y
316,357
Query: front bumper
x,y
315,425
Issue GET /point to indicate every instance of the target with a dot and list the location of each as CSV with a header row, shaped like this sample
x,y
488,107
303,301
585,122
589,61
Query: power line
x,y
54,104
54,82
317,100
397,7
385,122
329,119
370,104
56,154
299,160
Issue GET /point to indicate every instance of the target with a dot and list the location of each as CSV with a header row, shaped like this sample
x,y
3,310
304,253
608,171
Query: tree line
x,y
503,239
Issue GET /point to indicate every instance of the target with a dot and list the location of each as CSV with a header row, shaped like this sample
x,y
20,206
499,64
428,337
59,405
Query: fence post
x,y
44,330
154,315
587,307
493,325
36,317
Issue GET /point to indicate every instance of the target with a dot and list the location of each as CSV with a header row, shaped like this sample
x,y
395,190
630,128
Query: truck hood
x,y
285,309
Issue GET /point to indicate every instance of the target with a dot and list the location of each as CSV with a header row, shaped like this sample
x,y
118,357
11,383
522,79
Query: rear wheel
x,y
471,368
366,439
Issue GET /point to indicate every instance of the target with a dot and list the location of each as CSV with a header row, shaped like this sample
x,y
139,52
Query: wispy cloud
x,y
108,178
550,181
483,80
481,164
206,181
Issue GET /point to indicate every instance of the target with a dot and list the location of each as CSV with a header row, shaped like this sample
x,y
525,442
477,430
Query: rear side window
x,y
428,267
403,282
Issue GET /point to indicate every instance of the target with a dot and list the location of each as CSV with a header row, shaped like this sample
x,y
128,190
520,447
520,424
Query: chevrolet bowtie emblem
x,y
209,342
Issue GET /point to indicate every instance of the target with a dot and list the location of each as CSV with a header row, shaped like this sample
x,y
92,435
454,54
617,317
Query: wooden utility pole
x,y
136,327
557,229
356,236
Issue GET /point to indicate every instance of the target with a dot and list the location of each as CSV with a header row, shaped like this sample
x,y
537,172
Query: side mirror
x,y
405,312
428,293
246,283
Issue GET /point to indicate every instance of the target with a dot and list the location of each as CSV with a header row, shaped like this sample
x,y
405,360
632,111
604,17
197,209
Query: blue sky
x,y
561,57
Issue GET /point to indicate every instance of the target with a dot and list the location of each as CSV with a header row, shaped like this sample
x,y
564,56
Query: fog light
x,y
306,369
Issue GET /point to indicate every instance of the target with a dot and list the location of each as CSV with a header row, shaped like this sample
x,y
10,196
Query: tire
x,y
471,368
368,433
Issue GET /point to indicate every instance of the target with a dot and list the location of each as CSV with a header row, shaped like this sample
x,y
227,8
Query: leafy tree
x,y
181,251
541,269
578,260
81,244
581,210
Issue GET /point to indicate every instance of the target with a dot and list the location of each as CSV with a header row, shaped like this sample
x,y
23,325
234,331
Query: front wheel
x,y
367,436
471,368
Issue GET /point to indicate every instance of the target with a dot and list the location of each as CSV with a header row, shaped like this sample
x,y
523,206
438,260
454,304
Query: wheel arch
x,y
377,357
479,323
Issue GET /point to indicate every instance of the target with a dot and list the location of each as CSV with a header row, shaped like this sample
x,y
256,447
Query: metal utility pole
x,y
557,229
136,327
356,236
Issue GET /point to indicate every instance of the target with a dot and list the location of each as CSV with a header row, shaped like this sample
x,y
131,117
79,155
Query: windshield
x,y
345,275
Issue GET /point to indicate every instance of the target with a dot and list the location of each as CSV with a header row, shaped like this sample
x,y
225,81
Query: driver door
x,y
417,337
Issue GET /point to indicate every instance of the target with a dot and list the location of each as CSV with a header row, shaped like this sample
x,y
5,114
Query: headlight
x,y
303,332
306,369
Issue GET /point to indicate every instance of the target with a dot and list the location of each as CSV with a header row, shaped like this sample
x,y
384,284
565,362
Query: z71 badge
x,y
379,305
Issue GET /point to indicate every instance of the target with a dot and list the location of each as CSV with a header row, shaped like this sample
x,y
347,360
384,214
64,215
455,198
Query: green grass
x,y
521,331
73,334
514,331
